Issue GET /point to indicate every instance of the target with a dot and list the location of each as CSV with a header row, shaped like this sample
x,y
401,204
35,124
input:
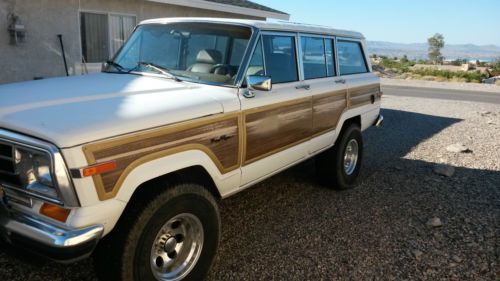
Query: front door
x,y
278,119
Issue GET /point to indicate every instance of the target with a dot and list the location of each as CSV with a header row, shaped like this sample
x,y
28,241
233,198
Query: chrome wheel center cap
x,y
170,245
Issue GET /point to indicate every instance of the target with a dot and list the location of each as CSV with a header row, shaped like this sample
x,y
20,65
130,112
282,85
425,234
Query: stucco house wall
x,y
40,55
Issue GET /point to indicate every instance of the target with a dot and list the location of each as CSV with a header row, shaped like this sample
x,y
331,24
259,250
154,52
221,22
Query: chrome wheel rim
x,y
351,157
177,247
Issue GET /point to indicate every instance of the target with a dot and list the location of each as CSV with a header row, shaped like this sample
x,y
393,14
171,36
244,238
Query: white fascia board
x,y
200,4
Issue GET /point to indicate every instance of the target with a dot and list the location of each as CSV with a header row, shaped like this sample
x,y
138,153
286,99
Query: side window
x,y
281,62
351,58
330,58
313,57
256,66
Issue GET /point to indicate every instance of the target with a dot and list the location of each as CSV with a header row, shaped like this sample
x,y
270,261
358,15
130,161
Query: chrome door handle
x,y
304,87
340,81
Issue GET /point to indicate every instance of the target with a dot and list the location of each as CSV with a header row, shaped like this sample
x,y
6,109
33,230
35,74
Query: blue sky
x,y
402,21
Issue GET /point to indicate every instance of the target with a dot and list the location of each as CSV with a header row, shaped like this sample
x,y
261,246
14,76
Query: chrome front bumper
x,y
39,237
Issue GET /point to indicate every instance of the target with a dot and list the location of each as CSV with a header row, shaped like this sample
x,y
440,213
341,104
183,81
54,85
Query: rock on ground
x,y
458,148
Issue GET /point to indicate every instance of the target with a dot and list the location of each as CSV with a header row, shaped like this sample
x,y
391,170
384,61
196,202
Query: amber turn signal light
x,y
99,169
55,212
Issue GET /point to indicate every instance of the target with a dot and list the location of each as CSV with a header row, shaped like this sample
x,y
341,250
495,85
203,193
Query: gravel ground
x,y
403,222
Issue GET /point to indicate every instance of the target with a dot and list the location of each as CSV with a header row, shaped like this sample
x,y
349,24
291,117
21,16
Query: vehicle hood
x,y
75,110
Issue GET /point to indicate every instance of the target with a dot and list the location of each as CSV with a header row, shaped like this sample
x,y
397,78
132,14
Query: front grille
x,y
8,173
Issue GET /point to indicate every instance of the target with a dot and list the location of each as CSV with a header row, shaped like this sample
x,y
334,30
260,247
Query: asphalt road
x,y
433,93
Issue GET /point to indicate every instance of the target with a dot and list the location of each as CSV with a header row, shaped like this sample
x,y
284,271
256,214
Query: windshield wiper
x,y
116,65
161,69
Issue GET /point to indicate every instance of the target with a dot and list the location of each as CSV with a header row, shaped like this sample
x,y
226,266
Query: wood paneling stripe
x,y
327,109
246,136
136,149
271,129
363,95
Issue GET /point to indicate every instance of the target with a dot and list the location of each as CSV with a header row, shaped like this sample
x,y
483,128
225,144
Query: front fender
x,y
172,163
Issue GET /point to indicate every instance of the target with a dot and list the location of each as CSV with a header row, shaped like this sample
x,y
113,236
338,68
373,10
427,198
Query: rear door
x,y
317,54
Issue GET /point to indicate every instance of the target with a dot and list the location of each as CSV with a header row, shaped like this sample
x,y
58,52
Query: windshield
x,y
199,52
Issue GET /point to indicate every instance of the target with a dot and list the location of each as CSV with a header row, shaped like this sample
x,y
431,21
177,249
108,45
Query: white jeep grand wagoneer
x,y
129,163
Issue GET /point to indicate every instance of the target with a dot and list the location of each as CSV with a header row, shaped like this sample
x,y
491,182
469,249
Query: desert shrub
x,y
458,62
495,71
402,66
495,68
429,78
404,76
457,79
475,76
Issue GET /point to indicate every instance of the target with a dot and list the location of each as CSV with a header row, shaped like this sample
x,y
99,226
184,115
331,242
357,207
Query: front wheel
x,y
339,166
175,236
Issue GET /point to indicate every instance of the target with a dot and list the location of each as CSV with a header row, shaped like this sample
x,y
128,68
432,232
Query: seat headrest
x,y
209,56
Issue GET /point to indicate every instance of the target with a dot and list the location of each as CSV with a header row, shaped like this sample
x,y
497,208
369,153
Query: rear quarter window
x,y
351,58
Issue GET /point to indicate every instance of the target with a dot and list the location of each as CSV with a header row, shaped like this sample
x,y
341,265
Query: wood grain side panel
x,y
363,95
270,130
131,151
327,110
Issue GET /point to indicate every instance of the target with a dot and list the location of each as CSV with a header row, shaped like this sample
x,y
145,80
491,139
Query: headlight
x,y
35,171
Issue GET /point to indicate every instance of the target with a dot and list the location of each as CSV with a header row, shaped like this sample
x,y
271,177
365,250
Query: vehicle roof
x,y
266,25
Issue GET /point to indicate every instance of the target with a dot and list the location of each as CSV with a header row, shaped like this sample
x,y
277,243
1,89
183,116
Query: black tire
x,y
330,163
125,254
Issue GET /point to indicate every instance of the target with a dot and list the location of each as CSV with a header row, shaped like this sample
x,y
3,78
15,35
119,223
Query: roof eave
x,y
200,4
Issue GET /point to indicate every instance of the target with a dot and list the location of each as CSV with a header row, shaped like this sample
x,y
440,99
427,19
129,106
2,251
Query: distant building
x,y
92,31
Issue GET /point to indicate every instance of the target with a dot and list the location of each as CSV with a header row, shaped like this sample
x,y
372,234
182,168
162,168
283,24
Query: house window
x,y
103,34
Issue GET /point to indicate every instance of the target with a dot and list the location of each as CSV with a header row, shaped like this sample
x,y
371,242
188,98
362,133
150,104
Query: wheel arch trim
x,y
149,170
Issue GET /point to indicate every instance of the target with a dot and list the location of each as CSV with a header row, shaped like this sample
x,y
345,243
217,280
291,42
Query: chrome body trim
x,y
46,233
28,195
259,83
379,121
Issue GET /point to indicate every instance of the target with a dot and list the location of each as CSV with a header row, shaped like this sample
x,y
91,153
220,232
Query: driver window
x,y
256,66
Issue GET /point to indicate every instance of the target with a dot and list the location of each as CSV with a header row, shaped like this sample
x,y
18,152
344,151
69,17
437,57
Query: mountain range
x,y
419,51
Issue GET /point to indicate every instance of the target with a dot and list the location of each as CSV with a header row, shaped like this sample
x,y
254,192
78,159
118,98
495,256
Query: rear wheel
x,y
339,166
173,236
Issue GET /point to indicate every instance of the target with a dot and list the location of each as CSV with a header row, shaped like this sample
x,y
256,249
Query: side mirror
x,y
259,83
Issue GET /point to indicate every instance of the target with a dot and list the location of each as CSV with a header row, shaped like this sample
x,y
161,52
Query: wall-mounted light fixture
x,y
17,30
